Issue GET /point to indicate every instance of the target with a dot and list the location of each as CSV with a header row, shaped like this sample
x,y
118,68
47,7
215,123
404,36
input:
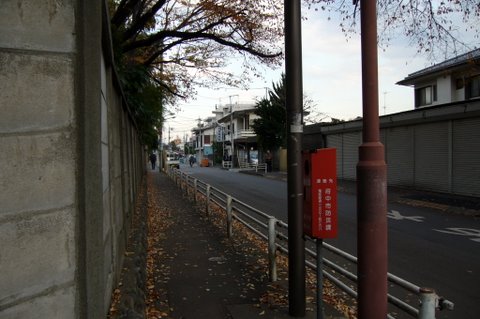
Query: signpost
x,y
320,205
320,182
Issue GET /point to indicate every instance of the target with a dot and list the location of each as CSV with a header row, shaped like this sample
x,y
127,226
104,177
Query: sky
x,y
331,77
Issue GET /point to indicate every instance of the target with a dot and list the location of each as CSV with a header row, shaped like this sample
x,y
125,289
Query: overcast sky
x,y
331,77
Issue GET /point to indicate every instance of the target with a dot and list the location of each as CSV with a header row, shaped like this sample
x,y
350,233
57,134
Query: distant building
x,y
454,80
204,135
236,132
232,127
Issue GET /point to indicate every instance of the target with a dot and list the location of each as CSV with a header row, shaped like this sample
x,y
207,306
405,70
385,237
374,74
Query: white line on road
x,y
466,232
397,216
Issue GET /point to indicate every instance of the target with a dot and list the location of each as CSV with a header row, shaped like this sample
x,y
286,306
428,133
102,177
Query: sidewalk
x,y
195,271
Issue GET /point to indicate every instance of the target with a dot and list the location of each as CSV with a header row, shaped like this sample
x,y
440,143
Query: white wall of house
x,y
204,136
447,82
445,88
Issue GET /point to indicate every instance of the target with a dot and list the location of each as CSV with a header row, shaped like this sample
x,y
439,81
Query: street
x,y
427,247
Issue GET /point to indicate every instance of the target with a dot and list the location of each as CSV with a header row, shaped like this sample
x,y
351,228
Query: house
x,y
435,146
204,135
236,133
454,80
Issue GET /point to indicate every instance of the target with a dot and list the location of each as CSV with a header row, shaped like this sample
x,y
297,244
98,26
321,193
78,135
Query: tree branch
x,y
123,11
186,36
163,85
139,24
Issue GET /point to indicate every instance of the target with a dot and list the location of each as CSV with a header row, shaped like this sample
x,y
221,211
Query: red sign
x,y
320,195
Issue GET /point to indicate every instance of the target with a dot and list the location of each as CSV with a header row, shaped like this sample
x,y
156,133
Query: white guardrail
x,y
274,231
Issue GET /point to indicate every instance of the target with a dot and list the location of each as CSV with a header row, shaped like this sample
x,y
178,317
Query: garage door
x,y
466,157
432,156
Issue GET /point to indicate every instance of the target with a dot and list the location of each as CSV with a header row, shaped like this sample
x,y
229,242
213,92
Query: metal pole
x,y
319,243
168,142
371,182
294,108
428,303
186,185
229,216
195,190
207,202
231,132
180,180
160,152
272,249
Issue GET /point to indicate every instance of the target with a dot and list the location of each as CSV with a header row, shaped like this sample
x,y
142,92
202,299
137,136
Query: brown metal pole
x,y
371,182
294,106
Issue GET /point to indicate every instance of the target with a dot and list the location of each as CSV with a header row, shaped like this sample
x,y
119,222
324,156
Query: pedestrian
x,y
191,160
153,160
268,160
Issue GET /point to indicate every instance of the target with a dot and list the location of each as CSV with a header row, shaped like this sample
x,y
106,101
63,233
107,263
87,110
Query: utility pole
x,y
385,102
168,142
160,151
231,130
198,140
294,106
371,182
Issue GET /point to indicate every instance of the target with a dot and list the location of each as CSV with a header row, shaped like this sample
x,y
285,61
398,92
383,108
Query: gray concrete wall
x,y
69,171
38,137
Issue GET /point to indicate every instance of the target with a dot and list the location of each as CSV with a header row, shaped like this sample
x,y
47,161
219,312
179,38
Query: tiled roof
x,y
450,63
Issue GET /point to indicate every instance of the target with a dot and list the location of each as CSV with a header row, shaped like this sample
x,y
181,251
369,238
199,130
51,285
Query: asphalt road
x,y
427,247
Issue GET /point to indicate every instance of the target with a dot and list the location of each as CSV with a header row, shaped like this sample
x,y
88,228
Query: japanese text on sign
x,y
320,203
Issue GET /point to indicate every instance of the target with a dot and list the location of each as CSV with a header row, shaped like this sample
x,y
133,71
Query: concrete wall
x,y
38,138
70,161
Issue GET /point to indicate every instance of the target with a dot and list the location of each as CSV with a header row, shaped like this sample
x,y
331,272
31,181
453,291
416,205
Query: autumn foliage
x,y
176,46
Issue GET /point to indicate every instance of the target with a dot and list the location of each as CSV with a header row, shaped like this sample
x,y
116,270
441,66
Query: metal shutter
x,y
400,155
351,142
466,156
432,156
335,141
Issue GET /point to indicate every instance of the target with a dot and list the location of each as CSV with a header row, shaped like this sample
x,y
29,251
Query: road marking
x,y
397,216
467,232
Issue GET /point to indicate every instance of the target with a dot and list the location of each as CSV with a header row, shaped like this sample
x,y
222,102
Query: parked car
x,y
254,157
173,160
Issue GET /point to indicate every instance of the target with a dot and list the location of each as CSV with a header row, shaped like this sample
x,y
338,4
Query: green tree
x,y
164,49
271,126
146,101
185,44
187,149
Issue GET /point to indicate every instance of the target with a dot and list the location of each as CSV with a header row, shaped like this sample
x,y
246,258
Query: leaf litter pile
x,y
251,288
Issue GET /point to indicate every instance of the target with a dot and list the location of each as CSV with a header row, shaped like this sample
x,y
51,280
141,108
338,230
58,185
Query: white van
x,y
173,160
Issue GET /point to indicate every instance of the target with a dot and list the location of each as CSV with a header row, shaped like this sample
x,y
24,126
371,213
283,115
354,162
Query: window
x,y
473,87
459,84
425,96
